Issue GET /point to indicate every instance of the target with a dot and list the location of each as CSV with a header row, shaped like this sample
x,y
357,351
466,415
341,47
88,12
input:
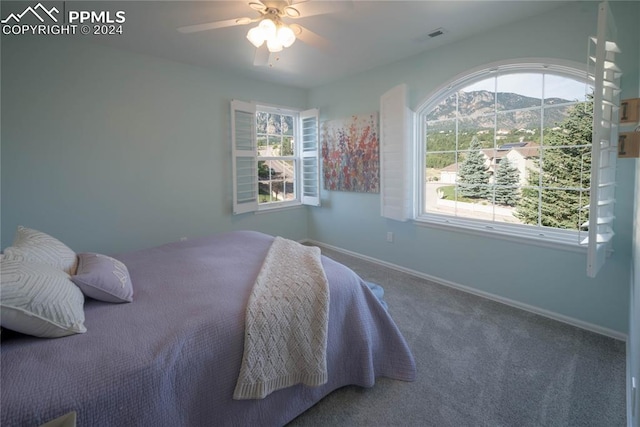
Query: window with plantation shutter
x,y
244,152
606,101
275,157
310,160
395,156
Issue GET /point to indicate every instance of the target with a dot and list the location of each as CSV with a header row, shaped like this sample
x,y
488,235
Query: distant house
x,y
523,159
448,175
520,155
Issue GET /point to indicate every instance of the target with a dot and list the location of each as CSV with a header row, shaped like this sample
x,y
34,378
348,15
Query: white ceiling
x,y
369,34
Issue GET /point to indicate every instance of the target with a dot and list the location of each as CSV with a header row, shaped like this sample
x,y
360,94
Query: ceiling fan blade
x,y
258,5
215,25
309,37
312,8
262,57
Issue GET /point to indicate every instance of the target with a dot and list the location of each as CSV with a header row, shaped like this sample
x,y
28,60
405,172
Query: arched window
x,y
508,149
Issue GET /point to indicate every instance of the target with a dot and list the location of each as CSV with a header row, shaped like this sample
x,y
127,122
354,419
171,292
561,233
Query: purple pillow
x,y
103,278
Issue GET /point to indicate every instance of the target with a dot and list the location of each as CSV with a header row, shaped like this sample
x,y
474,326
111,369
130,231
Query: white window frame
x,y
295,157
544,236
245,157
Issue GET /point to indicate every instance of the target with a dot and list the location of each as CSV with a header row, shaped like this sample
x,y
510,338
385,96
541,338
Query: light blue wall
x,y
549,279
111,151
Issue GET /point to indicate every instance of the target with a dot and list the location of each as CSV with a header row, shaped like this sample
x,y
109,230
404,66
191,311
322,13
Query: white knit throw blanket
x,y
286,323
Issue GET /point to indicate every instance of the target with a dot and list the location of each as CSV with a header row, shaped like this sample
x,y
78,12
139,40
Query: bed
x,y
172,356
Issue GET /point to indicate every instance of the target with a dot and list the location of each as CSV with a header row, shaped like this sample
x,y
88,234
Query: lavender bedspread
x,y
172,357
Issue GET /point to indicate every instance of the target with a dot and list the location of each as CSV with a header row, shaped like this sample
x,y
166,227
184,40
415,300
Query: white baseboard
x,y
530,308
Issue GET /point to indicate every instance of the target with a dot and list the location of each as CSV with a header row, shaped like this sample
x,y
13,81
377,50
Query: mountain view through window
x,y
513,148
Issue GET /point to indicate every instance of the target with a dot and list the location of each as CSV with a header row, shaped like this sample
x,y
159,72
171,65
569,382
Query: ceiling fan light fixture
x,y
274,45
274,32
256,36
271,27
286,36
268,28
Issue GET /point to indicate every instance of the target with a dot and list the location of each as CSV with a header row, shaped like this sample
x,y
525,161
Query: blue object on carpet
x,y
378,291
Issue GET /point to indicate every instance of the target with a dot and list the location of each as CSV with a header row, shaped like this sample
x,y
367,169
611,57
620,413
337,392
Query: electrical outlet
x,y
182,239
389,236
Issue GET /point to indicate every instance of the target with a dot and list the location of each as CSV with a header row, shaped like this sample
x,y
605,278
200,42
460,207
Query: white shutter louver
x,y
606,102
244,153
395,142
310,158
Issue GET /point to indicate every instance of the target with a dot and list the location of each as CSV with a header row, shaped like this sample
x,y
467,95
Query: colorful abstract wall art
x,y
350,154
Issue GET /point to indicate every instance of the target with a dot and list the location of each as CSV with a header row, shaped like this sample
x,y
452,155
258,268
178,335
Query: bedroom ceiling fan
x,y
272,34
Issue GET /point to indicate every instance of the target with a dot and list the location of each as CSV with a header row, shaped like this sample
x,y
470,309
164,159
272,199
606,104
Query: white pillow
x,y
38,299
33,245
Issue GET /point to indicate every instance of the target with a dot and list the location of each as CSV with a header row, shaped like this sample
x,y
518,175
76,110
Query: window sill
x,y
272,207
549,238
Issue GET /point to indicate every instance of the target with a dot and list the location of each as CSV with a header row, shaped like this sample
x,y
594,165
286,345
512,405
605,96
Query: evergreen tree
x,y
473,175
264,172
565,170
507,179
